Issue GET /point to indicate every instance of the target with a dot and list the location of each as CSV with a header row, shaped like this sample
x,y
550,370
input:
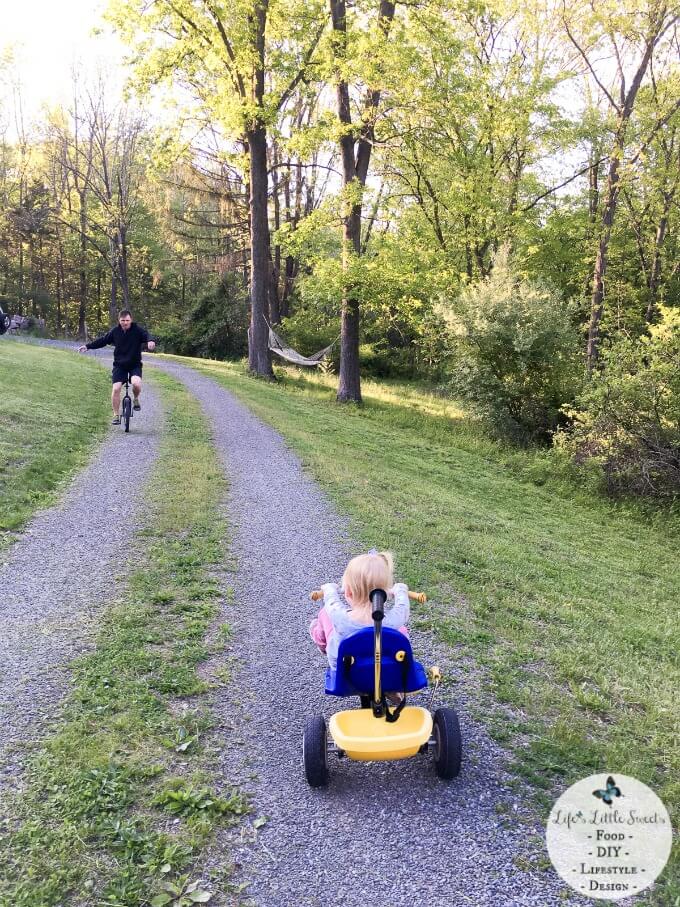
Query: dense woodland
x,y
481,195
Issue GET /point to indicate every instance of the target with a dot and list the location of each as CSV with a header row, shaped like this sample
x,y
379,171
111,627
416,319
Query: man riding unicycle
x,y
128,339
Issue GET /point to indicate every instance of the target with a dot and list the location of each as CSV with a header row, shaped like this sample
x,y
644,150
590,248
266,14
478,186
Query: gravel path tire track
x,y
384,834
69,563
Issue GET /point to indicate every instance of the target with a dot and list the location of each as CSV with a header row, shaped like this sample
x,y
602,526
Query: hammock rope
x,y
279,346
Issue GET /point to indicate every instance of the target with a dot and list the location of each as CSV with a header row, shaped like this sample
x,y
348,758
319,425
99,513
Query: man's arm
x,y
100,342
146,339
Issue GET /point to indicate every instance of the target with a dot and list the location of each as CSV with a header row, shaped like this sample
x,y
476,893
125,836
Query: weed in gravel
x,y
182,798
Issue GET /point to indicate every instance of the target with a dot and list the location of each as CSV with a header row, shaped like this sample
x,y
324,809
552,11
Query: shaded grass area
x,y
54,408
570,605
118,806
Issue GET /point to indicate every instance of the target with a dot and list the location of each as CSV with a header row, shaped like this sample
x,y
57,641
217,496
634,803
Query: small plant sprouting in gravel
x,y
184,741
183,799
181,893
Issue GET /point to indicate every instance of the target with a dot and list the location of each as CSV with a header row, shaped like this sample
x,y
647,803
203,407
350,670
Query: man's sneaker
x,y
136,405
115,420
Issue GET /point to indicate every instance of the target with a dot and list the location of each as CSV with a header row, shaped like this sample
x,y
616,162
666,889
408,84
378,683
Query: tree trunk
x,y
597,298
100,313
655,273
21,276
611,200
275,268
121,248
60,284
82,274
292,268
259,357
274,299
354,173
349,383
113,300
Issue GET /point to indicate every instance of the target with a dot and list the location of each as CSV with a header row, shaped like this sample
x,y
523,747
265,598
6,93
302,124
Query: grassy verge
x,y
118,804
54,407
570,605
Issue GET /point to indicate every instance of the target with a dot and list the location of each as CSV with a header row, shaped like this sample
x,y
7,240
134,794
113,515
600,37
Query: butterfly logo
x,y
608,794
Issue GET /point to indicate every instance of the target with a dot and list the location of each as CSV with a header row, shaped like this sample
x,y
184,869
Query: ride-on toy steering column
x,y
370,663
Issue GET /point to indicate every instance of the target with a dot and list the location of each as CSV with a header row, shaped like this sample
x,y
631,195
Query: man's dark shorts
x,y
120,372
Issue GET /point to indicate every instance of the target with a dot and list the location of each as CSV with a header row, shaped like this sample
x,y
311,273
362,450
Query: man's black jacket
x,y
127,345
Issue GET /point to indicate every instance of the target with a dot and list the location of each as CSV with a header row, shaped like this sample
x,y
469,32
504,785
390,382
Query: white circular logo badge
x,y
609,836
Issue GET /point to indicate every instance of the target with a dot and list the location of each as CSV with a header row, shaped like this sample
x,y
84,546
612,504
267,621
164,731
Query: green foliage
x,y
182,798
182,893
515,352
627,419
216,327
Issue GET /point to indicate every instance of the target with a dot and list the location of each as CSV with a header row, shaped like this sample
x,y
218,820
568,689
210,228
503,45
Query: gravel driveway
x,y
69,562
382,834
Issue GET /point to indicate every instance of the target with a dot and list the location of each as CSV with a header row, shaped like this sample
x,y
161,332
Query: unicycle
x,y
127,405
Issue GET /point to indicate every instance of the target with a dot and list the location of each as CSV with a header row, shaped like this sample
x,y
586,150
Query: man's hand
x,y
151,346
82,349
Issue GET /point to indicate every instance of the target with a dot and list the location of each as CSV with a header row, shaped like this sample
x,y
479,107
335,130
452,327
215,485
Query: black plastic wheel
x,y
447,743
127,412
315,752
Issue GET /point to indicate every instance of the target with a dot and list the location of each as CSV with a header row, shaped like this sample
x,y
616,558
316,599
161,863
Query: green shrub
x,y
216,327
627,419
514,352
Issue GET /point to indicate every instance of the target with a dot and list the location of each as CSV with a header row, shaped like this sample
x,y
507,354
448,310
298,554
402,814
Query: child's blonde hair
x,y
367,572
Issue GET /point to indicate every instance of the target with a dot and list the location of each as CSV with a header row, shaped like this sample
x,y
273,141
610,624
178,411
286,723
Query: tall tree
x,y
99,147
356,140
473,122
241,62
632,36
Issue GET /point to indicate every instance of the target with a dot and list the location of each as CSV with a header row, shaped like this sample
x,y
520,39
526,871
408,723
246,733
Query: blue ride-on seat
x,y
354,675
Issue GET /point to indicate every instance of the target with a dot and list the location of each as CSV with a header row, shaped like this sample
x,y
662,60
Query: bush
x,y
216,327
515,353
386,359
627,420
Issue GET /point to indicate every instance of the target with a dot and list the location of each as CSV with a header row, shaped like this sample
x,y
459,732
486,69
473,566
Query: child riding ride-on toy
x,y
377,664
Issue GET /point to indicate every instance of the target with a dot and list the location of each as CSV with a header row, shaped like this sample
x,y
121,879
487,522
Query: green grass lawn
x,y
570,605
54,408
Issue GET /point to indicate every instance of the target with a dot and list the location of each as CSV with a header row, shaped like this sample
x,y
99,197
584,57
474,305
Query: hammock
x,y
280,347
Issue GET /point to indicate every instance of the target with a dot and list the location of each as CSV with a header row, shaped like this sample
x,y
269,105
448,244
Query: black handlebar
x,y
378,597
